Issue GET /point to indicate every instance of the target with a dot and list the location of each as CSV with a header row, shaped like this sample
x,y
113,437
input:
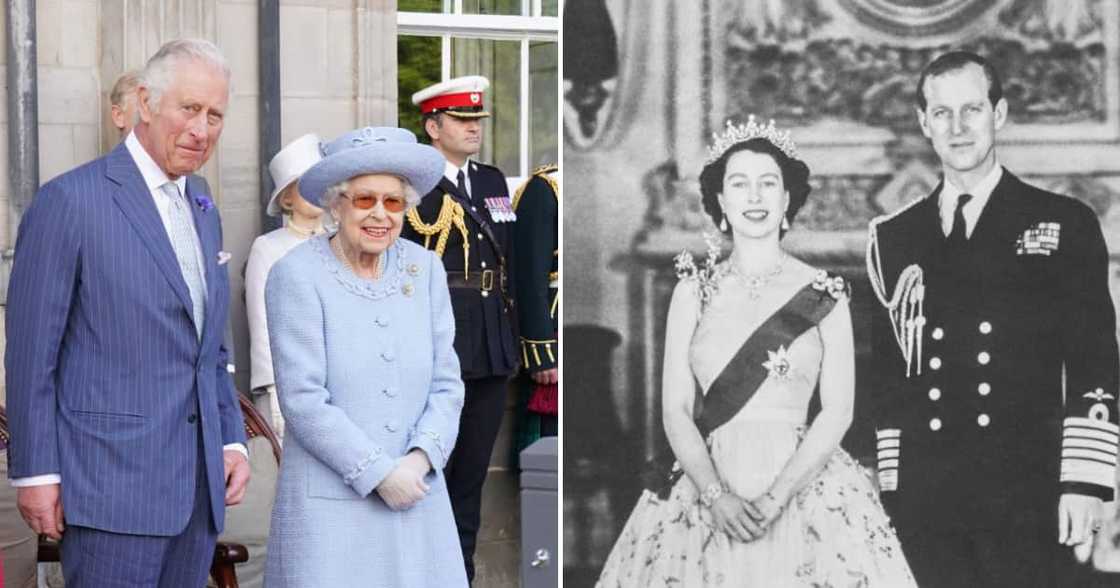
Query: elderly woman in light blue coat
x,y
361,331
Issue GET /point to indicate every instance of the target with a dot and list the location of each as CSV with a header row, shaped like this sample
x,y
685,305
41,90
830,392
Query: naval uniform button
x,y
984,388
483,264
938,334
983,358
935,394
983,420
935,424
480,236
935,363
985,327
485,294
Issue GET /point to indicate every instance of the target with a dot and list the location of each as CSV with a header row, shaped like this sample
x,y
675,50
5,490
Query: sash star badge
x,y
778,365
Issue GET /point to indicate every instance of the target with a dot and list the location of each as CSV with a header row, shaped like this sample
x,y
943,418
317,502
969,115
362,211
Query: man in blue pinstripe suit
x,y
125,423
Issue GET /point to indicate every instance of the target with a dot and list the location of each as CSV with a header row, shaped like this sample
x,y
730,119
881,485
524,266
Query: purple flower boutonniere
x,y
204,202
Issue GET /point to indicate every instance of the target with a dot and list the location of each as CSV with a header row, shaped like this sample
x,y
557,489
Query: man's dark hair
x,y
436,116
956,60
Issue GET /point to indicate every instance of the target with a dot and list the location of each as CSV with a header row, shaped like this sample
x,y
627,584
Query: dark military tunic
x,y
479,276
975,441
537,243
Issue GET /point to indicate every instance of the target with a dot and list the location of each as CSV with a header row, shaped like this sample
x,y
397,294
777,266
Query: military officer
x,y
535,236
467,220
990,462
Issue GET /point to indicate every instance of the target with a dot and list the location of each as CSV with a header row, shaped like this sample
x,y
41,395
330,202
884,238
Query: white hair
x,y
333,193
160,70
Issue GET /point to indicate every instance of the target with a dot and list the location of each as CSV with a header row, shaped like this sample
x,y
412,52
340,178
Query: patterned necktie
x,y
959,234
181,231
462,184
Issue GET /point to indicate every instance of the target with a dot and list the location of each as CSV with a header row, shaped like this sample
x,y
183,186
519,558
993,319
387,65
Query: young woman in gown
x,y
765,499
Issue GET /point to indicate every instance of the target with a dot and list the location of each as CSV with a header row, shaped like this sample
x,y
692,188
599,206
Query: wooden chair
x,y
226,555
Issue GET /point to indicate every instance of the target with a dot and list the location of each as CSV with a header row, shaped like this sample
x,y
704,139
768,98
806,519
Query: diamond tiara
x,y
737,133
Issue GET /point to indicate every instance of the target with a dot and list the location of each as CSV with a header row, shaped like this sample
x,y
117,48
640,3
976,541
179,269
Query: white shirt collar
x,y
452,173
980,193
154,177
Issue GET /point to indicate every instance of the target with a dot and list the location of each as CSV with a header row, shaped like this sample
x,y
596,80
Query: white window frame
x,y
454,24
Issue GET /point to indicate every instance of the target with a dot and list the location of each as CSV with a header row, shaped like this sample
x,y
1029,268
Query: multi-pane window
x,y
511,42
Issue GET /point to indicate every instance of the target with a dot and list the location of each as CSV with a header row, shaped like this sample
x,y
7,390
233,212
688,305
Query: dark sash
x,y
743,375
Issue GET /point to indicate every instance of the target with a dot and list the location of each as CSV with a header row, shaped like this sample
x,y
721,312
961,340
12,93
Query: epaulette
x,y
546,169
541,172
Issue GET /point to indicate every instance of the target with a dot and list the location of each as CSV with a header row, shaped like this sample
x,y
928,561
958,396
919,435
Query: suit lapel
x,y
138,206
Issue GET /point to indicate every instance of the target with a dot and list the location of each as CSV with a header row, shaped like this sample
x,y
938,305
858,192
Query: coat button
x,y
381,321
483,264
480,236
983,420
985,327
984,388
391,427
983,358
935,424
192,419
935,363
389,391
387,355
485,294
938,334
935,394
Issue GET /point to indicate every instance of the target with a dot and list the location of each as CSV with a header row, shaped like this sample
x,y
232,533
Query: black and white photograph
x,y
840,290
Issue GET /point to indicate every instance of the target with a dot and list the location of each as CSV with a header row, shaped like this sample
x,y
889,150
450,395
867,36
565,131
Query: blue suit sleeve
x,y
438,426
40,296
299,359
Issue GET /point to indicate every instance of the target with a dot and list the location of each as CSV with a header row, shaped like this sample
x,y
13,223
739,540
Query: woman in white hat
x,y
302,220
362,331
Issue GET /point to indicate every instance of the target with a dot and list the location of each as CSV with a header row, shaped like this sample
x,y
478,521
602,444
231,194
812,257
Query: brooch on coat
x,y
1040,239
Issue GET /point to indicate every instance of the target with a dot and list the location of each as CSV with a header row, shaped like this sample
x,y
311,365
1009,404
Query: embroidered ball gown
x,y
833,532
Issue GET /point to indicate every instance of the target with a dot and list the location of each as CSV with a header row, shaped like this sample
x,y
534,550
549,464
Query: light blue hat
x,y
373,150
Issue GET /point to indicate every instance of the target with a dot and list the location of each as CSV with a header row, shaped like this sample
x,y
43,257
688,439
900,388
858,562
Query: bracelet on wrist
x,y
711,494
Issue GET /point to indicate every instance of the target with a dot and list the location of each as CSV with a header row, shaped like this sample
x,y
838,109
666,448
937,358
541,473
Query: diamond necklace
x,y
755,282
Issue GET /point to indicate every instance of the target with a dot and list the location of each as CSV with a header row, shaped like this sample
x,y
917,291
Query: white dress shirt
x,y
980,193
153,178
452,173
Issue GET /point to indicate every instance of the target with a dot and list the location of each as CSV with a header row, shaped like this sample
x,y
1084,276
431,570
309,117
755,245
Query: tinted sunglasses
x,y
363,201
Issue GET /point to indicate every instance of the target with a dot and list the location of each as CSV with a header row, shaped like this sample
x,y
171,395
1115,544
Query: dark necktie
x,y
461,183
959,234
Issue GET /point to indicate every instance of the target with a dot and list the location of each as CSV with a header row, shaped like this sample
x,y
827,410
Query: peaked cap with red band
x,y
460,97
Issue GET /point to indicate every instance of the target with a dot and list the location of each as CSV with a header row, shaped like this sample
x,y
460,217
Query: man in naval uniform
x,y
535,237
995,358
467,219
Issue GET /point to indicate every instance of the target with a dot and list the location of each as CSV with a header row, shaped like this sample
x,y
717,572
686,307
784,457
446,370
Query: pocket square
x,y
224,257
1040,239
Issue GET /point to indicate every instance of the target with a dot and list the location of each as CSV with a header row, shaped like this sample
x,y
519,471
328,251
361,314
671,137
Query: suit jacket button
x,y
935,424
934,394
984,388
985,327
191,419
983,420
983,358
938,334
935,363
